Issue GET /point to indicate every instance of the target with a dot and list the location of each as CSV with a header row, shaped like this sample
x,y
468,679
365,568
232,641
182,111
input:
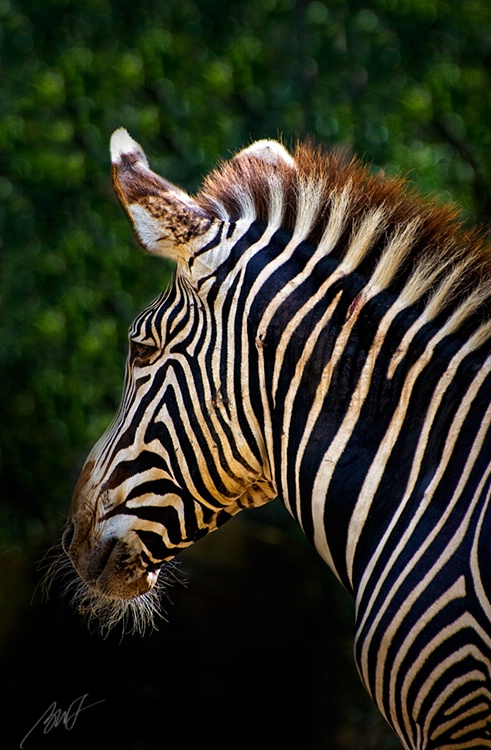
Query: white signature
x,y
54,717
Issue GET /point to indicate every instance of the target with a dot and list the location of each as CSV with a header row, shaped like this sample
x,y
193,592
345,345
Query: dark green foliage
x,y
404,83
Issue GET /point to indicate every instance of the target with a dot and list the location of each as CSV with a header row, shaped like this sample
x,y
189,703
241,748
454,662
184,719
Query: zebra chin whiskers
x,y
138,615
55,566
101,613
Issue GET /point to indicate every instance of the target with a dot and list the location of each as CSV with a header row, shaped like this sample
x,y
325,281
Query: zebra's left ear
x,y
165,219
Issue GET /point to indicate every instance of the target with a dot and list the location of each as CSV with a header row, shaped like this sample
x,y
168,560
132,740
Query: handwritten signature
x,y
54,717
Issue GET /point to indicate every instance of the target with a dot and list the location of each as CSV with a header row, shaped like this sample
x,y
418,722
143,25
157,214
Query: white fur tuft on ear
x,y
165,219
268,151
122,143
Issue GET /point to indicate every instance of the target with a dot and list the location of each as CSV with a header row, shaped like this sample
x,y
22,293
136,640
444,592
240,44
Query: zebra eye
x,y
141,352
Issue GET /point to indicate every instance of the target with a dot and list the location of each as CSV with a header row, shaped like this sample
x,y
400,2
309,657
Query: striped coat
x,y
326,339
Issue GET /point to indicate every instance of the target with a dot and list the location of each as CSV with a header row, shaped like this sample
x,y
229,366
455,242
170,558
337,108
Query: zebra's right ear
x,y
165,219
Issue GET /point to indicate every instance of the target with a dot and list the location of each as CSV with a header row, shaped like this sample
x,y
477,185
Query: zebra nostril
x,y
67,537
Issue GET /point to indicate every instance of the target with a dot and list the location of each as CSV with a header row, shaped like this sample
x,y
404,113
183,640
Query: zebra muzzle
x,y
110,567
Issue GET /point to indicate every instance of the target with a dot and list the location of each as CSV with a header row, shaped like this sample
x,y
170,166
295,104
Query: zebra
x,y
325,340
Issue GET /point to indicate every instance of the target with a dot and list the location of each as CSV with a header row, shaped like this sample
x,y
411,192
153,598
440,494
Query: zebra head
x,y
185,451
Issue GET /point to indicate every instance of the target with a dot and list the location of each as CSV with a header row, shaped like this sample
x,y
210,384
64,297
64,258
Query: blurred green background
x,y
403,83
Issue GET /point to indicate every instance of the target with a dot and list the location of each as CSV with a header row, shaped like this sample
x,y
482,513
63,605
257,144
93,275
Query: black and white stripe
x,y
325,339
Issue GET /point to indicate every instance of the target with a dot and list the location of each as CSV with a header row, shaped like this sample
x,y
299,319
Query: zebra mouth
x,y
120,572
102,563
112,569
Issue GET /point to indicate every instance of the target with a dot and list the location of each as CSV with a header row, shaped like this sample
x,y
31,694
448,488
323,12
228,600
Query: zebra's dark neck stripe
x,y
379,339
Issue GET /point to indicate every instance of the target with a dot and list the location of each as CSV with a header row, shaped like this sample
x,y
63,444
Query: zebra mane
x,y
372,224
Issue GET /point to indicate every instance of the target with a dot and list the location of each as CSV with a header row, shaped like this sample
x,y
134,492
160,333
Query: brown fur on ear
x,y
388,232
164,218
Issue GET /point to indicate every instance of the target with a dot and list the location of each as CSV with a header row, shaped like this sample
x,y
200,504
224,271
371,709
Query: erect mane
x,y
407,242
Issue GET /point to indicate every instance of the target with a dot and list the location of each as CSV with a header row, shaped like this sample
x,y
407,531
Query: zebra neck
x,y
363,396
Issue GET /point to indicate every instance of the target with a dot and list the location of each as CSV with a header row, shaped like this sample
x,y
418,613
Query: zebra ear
x,y
165,219
270,152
